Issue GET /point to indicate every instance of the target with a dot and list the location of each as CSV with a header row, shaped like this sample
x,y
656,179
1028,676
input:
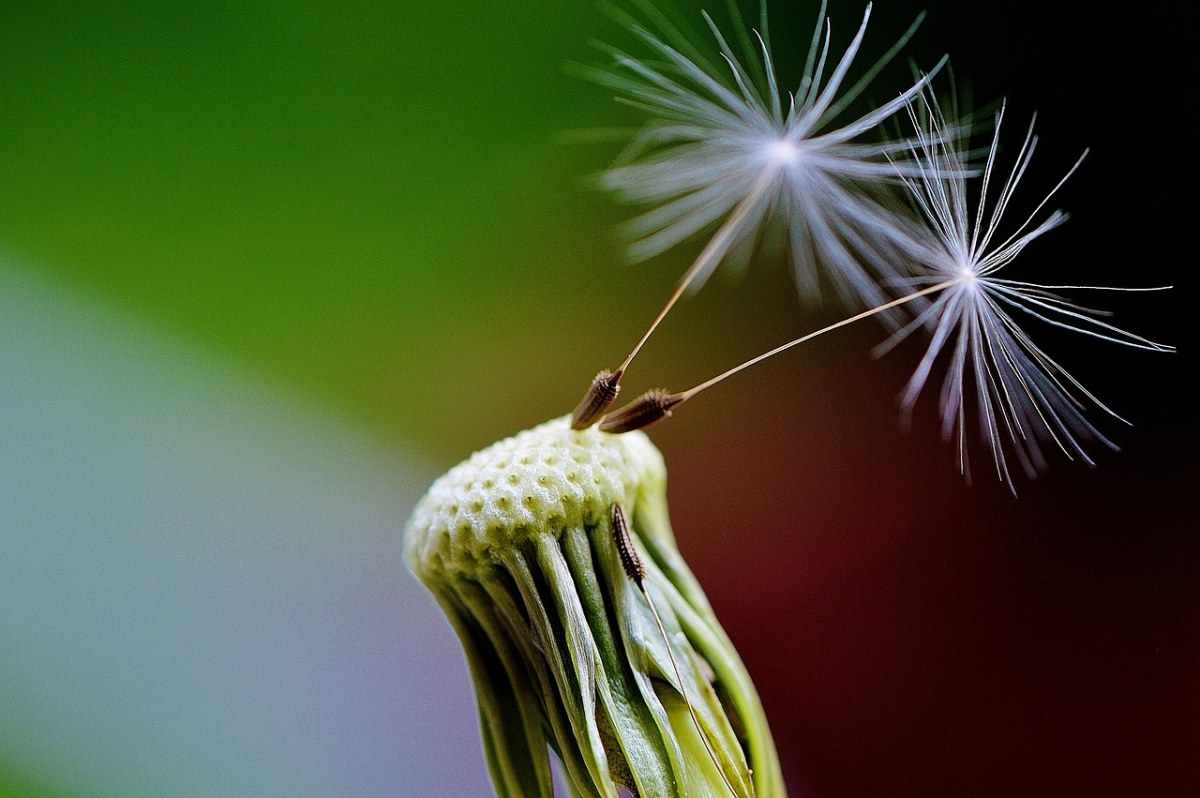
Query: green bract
x,y
517,546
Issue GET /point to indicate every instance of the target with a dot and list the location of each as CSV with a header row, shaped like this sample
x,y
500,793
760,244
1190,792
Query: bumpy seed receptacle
x,y
516,543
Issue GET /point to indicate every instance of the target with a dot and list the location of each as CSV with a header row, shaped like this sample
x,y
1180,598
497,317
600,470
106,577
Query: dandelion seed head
x,y
543,477
539,574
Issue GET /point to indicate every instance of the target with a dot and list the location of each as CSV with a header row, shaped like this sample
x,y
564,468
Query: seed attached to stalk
x,y
636,572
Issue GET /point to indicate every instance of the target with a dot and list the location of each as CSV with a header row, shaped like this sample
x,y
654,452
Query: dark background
x,y
912,636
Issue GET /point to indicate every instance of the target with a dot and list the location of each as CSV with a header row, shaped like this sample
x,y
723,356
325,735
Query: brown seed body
x,y
645,411
599,397
630,560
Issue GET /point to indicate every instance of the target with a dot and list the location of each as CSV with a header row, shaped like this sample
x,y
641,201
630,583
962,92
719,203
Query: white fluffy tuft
x,y
725,146
1023,397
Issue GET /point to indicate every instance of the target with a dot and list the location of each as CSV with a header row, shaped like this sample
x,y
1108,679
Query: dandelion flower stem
x,y
584,631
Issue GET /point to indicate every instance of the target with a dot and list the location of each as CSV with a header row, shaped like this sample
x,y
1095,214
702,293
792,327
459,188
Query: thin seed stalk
x,y
657,405
603,391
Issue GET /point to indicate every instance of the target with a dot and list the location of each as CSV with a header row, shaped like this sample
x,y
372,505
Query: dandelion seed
x,y
636,571
724,146
1023,397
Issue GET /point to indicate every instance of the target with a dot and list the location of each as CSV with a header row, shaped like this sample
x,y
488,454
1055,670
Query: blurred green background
x,y
315,190
269,268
